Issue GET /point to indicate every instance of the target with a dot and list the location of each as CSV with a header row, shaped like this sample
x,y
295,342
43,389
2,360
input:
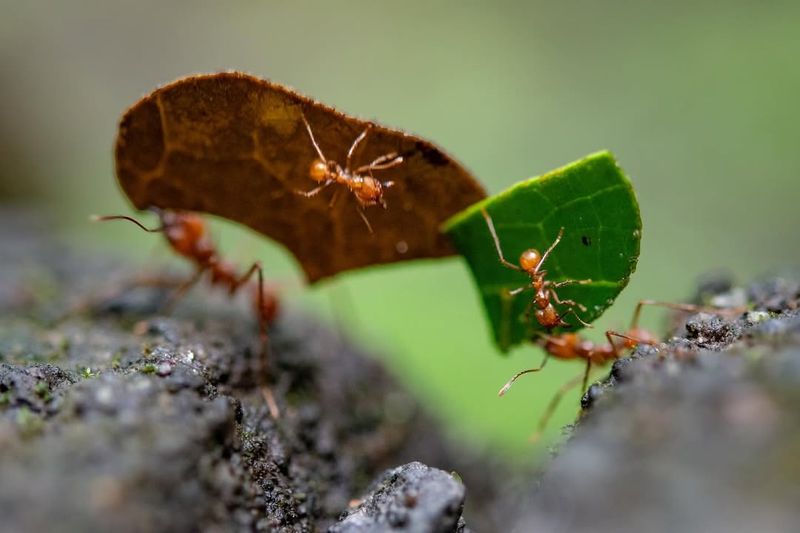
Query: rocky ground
x,y
115,417
701,433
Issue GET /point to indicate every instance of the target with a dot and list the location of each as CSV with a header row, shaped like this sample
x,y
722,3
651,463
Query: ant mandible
x,y
530,262
572,346
367,189
187,234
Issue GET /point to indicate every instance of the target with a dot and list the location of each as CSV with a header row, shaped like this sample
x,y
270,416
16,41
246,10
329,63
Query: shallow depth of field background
x,y
698,101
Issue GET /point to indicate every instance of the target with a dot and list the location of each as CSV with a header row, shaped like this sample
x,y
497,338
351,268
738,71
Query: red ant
x,y
530,262
188,235
366,189
573,346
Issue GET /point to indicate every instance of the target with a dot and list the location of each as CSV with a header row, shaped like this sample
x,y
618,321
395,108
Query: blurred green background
x,y
698,100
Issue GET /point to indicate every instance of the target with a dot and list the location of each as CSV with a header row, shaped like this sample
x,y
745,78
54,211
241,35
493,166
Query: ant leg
x,y
263,326
504,388
547,252
266,391
571,303
558,284
579,319
688,308
364,218
551,407
181,291
518,290
272,405
313,140
586,375
356,143
629,342
314,191
333,198
255,267
615,348
262,321
384,162
490,225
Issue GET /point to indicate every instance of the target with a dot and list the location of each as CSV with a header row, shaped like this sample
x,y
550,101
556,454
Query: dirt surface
x,y
114,417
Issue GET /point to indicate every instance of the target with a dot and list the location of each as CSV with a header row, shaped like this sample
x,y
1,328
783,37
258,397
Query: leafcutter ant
x,y
530,262
366,189
187,234
568,346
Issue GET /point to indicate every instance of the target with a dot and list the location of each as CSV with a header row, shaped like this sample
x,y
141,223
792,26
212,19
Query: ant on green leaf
x,y
530,262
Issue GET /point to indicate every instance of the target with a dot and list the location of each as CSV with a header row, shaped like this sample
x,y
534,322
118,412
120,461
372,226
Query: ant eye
x,y
318,170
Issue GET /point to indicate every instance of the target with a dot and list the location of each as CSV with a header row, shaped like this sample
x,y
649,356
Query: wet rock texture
x,y
114,417
699,434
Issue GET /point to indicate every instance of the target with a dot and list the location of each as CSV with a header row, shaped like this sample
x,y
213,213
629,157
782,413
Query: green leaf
x,y
593,201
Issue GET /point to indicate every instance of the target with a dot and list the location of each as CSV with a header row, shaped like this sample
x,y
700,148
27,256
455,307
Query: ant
x,y
187,234
572,346
367,190
530,262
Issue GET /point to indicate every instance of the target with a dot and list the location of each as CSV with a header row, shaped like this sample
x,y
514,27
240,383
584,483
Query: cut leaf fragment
x,y
236,146
594,202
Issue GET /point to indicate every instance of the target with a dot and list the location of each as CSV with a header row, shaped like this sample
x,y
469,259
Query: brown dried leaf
x,y
234,145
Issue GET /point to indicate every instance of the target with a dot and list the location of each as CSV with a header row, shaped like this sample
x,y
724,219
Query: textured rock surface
x,y
114,417
117,418
412,498
700,434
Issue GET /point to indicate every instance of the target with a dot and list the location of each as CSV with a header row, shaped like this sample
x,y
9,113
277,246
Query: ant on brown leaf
x,y
187,234
367,189
530,262
568,346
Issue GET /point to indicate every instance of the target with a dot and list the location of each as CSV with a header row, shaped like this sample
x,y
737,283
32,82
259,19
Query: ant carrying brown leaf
x,y
187,234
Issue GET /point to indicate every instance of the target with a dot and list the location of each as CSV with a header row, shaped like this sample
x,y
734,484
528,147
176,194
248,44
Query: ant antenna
x,y
490,224
364,218
313,140
551,406
356,143
105,218
547,252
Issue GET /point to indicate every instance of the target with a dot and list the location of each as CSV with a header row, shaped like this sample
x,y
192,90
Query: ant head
x,y
530,260
184,230
318,170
